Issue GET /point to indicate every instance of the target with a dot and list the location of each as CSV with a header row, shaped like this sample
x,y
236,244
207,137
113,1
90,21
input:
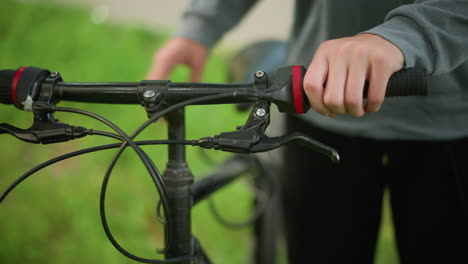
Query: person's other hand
x,y
178,51
335,78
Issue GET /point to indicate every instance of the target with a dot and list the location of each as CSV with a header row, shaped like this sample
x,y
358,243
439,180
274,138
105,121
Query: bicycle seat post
x,y
178,180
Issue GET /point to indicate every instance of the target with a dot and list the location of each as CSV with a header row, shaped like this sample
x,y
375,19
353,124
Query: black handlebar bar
x,y
23,87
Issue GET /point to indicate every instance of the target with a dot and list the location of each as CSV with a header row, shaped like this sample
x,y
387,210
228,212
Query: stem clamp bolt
x,y
149,94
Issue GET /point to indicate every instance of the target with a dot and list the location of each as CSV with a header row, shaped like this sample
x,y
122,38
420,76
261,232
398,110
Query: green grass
x,y
53,217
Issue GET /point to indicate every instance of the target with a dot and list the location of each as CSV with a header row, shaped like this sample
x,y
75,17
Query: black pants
x,y
332,211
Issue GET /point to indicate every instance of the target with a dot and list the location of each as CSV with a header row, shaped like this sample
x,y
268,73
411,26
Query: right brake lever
x,y
251,137
269,143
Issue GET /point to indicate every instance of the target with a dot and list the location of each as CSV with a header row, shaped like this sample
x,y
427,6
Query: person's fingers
x,y
161,68
333,96
335,79
179,51
378,80
197,66
353,95
314,83
196,74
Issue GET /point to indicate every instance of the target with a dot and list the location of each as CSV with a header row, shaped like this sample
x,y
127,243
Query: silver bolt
x,y
149,93
53,74
259,74
260,112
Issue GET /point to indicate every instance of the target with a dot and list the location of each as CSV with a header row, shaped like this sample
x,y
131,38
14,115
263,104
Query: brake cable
x,y
72,154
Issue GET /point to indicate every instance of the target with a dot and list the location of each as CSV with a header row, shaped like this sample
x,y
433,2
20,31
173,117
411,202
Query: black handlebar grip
x,y
407,82
6,79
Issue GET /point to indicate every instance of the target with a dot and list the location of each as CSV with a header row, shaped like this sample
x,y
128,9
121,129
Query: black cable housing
x,y
155,175
52,161
153,119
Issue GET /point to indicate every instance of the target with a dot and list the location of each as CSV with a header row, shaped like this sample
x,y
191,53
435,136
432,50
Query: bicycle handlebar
x,y
38,90
23,86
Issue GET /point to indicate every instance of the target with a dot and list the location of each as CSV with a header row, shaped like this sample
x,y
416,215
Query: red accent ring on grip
x,y
14,84
297,89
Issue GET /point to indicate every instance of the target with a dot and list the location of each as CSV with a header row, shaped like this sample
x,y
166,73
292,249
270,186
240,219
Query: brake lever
x,y
251,137
45,131
269,143
22,134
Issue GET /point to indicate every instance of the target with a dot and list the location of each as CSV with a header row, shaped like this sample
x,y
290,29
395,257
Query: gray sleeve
x,y
432,34
205,21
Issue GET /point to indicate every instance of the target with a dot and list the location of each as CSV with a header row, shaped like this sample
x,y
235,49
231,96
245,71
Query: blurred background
x,y
53,217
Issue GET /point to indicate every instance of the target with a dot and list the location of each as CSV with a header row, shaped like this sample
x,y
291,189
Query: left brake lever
x,y
45,131
22,134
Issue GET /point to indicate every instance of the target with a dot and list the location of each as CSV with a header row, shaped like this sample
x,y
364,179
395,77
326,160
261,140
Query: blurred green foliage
x,y
53,217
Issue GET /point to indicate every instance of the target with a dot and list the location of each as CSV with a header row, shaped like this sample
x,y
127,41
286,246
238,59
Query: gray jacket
x,y
432,35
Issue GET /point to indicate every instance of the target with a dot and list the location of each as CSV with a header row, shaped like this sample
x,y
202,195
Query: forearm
x,y
432,34
205,21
